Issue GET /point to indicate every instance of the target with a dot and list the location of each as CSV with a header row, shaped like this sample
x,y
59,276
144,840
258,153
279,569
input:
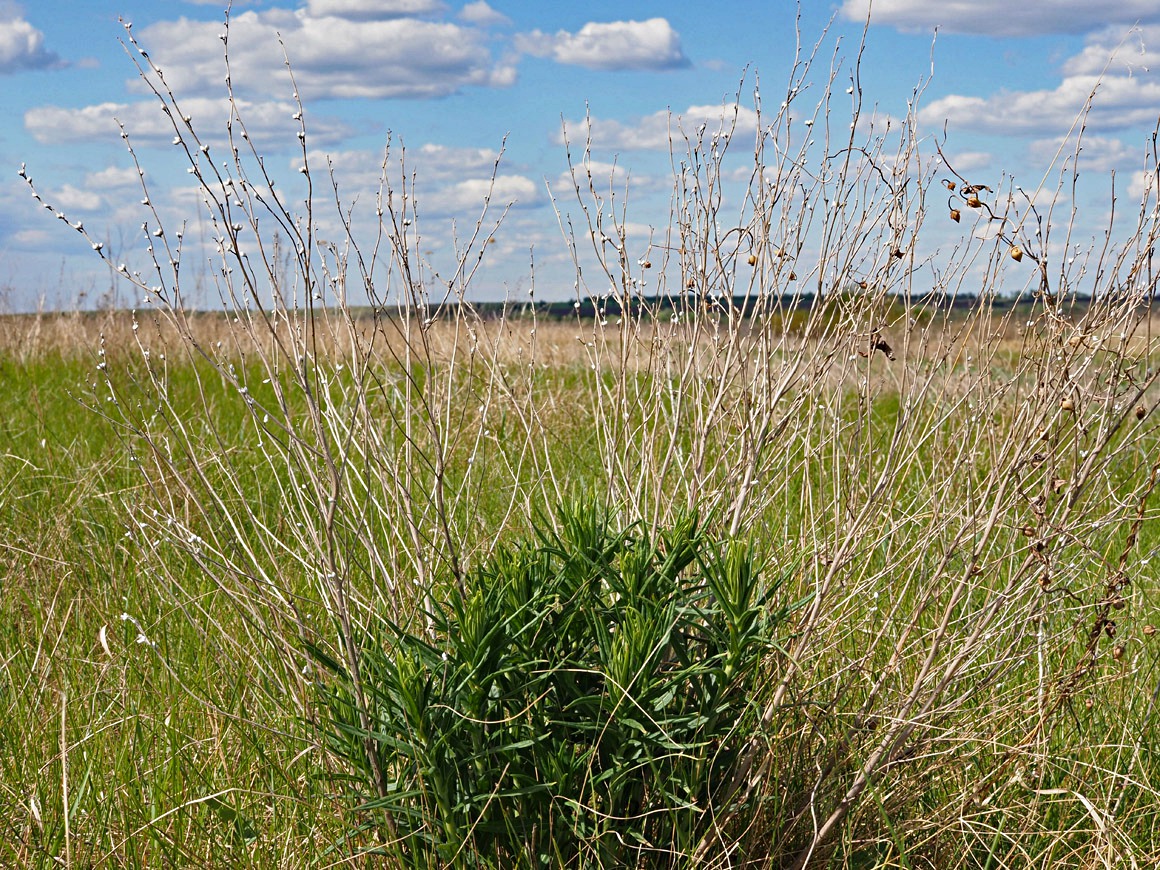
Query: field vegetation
x,y
863,581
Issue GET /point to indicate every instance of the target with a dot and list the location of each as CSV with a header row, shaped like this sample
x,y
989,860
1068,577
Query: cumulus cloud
x,y
615,45
1001,17
1120,102
70,198
270,123
467,196
1119,74
1117,51
482,15
359,172
21,44
971,161
332,56
113,178
657,131
1096,153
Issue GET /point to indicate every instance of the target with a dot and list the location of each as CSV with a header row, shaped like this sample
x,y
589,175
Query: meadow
x,y
753,578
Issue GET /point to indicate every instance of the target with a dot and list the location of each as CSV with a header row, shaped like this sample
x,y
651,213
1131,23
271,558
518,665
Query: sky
x,y
450,83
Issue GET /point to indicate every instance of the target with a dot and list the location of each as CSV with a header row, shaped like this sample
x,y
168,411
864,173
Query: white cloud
x,y
372,10
69,198
1120,102
656,132
467,196
332,57
271,124
359,172
113,178
21,44
615,45
450,181
1097,153
482,15
970,161
433,161
1001,17
1117,51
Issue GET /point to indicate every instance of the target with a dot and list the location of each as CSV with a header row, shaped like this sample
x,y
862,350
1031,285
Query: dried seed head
x,y
1058,484
646,265
1149,630
956,215
752,260
973,201
1067,405
950,184
1141,412
899,253
1016,253
1118,651
1028,532
793,276
1119,603
863,284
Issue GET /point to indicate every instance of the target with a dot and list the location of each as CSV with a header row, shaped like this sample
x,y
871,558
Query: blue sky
x,y
452,80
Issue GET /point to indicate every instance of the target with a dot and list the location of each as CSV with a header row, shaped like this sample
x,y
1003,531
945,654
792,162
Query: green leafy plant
x,y
581,699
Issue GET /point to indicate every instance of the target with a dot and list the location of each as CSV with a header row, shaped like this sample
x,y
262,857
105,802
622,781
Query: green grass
x,y
177,754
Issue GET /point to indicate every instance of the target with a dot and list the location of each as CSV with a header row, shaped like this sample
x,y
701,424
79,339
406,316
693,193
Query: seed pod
x,y
1028,532
1141,412
1016,253
752,260
1119,604
1149,630
1088,703
956,215
950,185
646,265
1058,484
793,276
863,284
973,201
1067,405
1118,651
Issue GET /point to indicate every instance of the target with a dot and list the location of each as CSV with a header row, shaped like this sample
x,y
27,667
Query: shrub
x,y
581,699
